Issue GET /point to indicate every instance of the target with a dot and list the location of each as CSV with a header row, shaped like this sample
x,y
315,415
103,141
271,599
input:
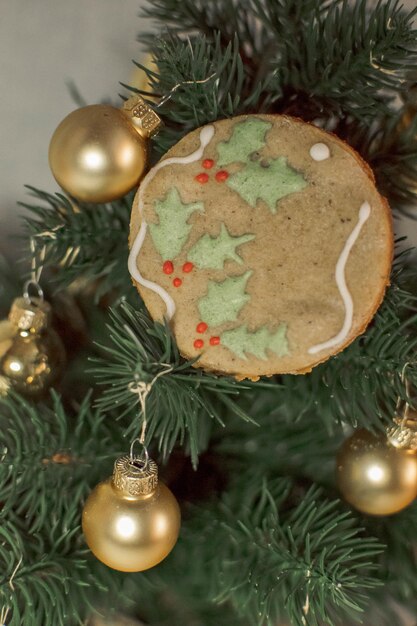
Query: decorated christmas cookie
x,y
264,242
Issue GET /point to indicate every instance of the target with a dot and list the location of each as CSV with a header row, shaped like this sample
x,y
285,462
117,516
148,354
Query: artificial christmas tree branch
x,y
264,536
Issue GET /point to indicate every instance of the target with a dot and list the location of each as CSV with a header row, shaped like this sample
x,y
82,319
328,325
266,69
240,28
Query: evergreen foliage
x,y
264,535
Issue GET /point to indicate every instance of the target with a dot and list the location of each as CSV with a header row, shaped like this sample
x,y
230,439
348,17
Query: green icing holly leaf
x,y
213,252
172,230
223,301
266,180
242,342
247,137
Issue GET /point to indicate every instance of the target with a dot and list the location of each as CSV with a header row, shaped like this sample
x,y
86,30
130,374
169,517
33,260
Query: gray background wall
x,y
43,44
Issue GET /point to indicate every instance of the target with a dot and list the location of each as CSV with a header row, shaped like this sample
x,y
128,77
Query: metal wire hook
x,y
138,458
405,381
32,283
171,92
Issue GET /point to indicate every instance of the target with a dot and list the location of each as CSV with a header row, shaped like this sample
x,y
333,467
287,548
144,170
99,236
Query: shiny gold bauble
x,y
35,357
130,521
96,154
374,476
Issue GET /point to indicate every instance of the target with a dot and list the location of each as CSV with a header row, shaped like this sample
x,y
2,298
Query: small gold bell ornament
x,y
377,473
131,521
35,356
98,152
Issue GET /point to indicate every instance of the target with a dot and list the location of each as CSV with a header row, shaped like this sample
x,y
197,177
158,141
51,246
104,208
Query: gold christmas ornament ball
x,y
374,476
35,356
130,521
96,154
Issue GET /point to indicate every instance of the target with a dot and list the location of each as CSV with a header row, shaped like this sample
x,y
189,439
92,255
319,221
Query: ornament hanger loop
x,y
35,272
405,382
143,458
143,389
26,287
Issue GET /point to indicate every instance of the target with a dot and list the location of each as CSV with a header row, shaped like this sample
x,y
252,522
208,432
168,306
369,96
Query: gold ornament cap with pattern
x,y
143,117
134,478
30,314
404,433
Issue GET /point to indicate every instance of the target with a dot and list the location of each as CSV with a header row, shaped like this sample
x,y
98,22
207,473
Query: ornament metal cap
x,y
404,433
30,314
143,117
134,476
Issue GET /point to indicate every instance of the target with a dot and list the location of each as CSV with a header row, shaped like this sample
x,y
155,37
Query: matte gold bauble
x,y
374,476
96,154
35,356
130,521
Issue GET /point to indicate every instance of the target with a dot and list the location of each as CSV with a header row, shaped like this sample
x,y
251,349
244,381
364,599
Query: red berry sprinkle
x,y
208,164
202,178
187,267
214,341
168,267
201,327
198,343
177,282
221,176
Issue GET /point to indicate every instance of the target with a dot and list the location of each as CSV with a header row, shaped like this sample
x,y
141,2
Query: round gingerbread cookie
x,y
264,242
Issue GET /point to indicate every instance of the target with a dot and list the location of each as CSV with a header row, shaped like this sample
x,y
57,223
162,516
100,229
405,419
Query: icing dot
x,y
208,164
168,267
187,267
221,176
201,327
202,178
177,282
198,343
214,341
319,152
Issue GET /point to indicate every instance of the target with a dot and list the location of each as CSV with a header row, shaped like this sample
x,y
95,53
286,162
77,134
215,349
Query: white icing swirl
x,y
319,152
364,213
206,134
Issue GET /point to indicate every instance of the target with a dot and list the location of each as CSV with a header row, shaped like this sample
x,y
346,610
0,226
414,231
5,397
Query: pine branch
x,y
180,401
229,18
43,581
274,554
314,65
354,70
86,241
283,444
392,154
45,452
43,482
296,559
399,566
228,88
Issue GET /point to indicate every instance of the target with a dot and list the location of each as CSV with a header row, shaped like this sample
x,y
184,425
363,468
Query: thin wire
x,y
6,609
144,450
4,614
36,269
14,573
405,381
143,390
171,92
